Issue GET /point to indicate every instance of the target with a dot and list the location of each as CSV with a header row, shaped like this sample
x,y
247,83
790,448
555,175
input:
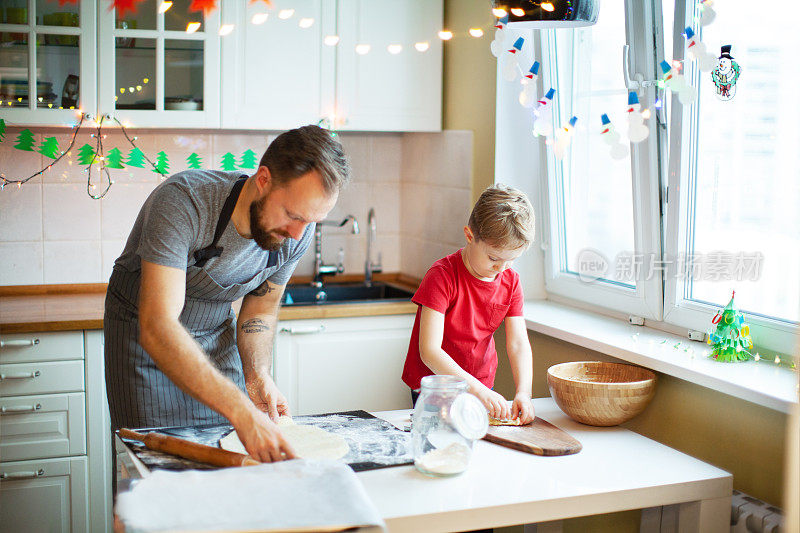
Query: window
x,y
735,171
604,227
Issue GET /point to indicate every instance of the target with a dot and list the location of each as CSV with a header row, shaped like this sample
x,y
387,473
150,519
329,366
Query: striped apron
x,y
139,394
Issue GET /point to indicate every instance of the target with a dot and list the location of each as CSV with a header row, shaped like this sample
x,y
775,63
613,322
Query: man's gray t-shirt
x,y
180,216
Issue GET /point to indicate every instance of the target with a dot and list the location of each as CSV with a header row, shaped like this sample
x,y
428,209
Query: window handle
x,y
636,81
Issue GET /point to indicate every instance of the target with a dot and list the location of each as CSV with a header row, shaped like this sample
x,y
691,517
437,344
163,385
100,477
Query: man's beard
x,y
264,238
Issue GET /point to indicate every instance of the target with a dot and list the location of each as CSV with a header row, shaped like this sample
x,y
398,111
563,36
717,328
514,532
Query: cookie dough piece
x,y
504,422
309,442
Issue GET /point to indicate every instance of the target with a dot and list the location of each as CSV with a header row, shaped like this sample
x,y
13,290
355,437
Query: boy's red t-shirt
x,y
473,310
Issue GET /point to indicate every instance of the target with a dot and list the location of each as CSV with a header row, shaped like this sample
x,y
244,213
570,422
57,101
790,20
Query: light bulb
x,y
547,6
517,11
259,18
164,7
394,49
306,23
476,32
362,49
285,14
192,27
499,12
445,35
331,40
422,47
225,29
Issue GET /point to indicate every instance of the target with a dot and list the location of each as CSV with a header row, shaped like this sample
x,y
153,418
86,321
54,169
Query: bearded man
x,y
175,352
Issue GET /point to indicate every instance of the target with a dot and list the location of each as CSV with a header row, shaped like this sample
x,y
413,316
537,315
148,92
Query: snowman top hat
x,y
725,52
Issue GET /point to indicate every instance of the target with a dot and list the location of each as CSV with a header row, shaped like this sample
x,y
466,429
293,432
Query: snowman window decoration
x,y
726,74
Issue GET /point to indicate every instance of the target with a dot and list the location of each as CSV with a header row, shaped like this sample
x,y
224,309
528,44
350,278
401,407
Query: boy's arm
x,y
521,358
431,333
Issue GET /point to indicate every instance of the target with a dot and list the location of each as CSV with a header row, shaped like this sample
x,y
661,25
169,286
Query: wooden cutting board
x,y
539,438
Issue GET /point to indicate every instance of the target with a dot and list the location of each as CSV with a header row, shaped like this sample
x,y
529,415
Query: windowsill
x,y
761,383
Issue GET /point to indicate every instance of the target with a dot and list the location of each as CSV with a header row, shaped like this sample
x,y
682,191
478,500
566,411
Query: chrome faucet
x,y
320,268
372,235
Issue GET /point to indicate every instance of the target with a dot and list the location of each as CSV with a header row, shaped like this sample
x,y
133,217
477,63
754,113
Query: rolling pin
x,y
189,450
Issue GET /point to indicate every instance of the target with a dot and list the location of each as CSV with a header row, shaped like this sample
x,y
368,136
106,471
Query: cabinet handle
x,y
19,343
302,330
22,475
20,408
21,375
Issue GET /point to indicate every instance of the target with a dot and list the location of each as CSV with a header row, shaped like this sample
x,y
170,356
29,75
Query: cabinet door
x,y
47,62
325,366
382,91
275,74
154,71
43,496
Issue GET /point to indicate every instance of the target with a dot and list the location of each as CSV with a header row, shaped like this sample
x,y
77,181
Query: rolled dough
x,y
309,442
504,422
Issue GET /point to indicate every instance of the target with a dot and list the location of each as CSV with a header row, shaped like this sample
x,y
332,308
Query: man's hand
x,y
495,404
523,408
261,437
266,396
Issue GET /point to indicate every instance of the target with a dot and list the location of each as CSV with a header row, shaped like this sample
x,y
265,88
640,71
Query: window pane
x,y
597,189
58,64
14,69
143,19
178,17
747,184
52,13
183,74
135,70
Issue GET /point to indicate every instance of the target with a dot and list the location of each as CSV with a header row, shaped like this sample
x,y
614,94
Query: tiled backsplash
x,y
52,232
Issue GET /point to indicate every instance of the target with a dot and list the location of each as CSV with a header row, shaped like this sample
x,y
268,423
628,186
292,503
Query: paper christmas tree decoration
x,y
135,158
228,162
194,161
248,159
25,140
114,158
49,148
162,163
731,339
2,130
86,155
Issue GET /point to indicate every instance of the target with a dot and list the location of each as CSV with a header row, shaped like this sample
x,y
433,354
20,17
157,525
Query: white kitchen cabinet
x,y
55,454
343,364
276,75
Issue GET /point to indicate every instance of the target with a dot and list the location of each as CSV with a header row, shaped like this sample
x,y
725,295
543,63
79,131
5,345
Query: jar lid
x,y
468,417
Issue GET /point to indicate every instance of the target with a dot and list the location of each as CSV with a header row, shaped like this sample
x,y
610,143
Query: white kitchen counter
x,y
616,470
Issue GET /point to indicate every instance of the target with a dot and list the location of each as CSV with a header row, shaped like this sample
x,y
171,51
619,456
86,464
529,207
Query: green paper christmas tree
x,y
2,130
162,163
25,140
86,155
194,161
228,162
135,158
731,339
49,148
248,159
114,158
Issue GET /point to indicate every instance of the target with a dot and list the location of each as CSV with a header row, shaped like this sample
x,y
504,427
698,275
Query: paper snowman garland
x,y
611,137
676,83
564,138
498,45
696,49
726,74
707,13
510,61
543,115
527,96
637,130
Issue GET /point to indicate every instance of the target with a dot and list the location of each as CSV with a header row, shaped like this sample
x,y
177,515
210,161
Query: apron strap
x,y
212,250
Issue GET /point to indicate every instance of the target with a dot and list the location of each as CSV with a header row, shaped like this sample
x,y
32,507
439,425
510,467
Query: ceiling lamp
x,y
540,14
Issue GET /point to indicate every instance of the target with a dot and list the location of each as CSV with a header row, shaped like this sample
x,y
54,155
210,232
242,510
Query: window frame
x,y
646,299
767,333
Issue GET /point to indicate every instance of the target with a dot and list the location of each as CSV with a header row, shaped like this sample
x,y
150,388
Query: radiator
x,y
749,515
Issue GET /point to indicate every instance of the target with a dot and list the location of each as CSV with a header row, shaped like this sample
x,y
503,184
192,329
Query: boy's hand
x,y
495,404
523,408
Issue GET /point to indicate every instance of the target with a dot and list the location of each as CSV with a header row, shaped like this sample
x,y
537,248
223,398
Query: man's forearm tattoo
x,y
262,289
254,325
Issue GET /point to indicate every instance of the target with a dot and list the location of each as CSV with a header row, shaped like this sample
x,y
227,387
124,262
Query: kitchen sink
x,y
337,293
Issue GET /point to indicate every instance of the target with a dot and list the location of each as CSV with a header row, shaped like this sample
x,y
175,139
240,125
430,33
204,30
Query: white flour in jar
x,y
452,459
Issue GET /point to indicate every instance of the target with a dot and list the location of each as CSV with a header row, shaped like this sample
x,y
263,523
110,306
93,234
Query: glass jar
x,y
446,422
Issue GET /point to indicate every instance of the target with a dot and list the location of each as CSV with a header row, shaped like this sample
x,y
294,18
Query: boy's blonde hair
x,y
503,217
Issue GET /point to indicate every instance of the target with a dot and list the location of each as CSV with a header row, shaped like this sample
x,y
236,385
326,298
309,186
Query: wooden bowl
x,y
601,394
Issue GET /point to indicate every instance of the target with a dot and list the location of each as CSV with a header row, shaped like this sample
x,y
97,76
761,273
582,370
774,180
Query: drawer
x,y
36,427
44,496
32,347
25,379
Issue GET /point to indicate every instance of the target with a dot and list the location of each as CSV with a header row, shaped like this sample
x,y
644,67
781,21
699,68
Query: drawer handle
x,y
19,343
21,375
307,330
22,475
20,408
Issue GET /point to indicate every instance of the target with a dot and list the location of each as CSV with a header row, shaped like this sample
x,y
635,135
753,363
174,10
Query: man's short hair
x,y
301,150
503,217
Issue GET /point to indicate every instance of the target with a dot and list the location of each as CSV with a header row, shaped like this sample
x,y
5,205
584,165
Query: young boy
x,y
465,296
